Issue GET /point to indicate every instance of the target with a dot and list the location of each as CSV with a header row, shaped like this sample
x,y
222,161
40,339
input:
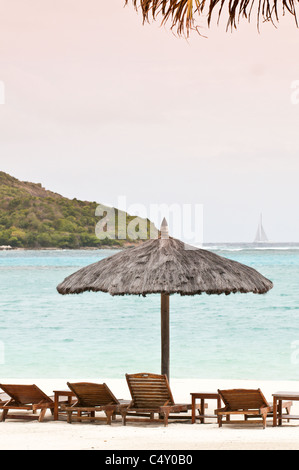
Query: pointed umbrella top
x,y
164,229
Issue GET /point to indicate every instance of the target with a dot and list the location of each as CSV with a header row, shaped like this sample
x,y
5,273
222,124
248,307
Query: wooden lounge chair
x,y
92,398
250,403
151,394
27,398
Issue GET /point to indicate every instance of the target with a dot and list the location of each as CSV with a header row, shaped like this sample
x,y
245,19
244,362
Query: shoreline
x,y
59,435
83,248
126,245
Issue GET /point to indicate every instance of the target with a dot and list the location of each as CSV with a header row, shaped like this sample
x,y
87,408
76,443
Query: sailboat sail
x,y
261,236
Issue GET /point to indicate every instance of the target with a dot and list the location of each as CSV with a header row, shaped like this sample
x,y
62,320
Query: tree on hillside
x,y
182,14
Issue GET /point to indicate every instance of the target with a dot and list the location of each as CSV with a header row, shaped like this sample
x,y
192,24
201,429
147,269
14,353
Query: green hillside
x,y
32,217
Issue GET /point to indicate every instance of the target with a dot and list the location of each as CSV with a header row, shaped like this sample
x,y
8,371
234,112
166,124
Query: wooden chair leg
x,y
288,411
220,421
279,411
69,417
42,415
202,410
109,416
166,414
124,418
4,415
264,421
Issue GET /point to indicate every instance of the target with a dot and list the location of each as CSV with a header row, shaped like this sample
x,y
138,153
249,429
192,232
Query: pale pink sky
x,y
99,106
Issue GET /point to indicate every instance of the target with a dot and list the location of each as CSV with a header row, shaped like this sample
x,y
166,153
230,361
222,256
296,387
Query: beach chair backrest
x,y
26,394
92,394
243,399
149,390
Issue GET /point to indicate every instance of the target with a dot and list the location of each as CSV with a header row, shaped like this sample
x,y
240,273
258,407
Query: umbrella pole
x,y
165,334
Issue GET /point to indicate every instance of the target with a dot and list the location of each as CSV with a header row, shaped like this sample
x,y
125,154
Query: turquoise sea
x,y
46,335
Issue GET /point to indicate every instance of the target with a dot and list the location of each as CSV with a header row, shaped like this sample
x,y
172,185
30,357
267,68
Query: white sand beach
x,y
59,435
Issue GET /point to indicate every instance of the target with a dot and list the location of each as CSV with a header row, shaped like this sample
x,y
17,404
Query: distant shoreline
x,y
83,248
221,246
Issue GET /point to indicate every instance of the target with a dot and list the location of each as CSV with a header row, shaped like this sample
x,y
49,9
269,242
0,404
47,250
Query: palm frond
x,y
182,14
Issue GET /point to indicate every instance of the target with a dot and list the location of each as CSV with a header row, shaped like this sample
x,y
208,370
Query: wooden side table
x,y
202,396
278,398
61,393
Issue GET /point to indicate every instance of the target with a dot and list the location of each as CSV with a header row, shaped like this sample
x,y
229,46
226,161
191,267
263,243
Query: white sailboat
x,y
261,236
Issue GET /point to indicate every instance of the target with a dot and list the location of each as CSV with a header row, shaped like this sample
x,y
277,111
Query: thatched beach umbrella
x,y
181,14
165,266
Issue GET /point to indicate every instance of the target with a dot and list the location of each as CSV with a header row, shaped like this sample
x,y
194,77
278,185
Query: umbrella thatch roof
x,y
182,13
165,265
